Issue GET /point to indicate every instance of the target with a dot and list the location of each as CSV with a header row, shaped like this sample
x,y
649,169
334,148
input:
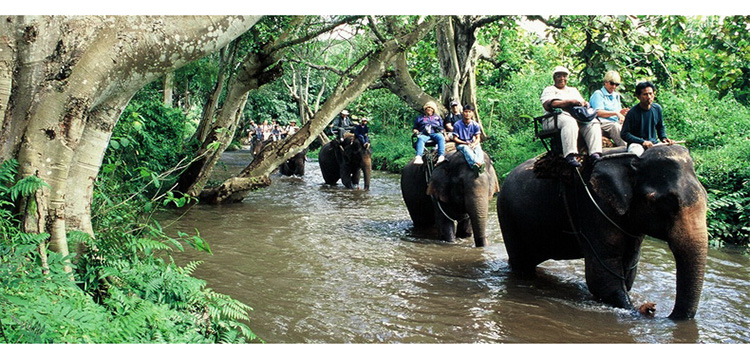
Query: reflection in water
x,y
322,264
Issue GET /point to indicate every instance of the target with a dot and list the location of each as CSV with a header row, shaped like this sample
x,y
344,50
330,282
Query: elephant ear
x,y
495,188
612,181
338,150
438,184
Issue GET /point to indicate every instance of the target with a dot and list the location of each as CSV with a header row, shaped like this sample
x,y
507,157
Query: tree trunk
x,y
73,75
251,75
226,59
168,89
458,55
402,85
272,156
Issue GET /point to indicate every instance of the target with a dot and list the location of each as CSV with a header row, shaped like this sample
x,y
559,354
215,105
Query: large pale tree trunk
x,y
256,174
457,53
72,76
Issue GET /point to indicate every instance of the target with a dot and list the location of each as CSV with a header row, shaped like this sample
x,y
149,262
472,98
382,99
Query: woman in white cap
x,y
426,127
561,96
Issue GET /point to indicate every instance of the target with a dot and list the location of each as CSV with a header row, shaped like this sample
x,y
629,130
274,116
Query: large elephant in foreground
x,y
605,218
295,165
455,199
345,159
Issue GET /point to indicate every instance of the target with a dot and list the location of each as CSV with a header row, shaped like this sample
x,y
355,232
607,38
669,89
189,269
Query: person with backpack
x,y
559,95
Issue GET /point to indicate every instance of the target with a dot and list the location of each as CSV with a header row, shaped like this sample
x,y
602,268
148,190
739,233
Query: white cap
x,y
560,69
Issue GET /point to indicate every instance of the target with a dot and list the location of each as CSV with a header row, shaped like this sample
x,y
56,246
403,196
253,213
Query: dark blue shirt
x,y
643,125
361,130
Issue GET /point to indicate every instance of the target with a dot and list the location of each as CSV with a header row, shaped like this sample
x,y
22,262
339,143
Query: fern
x,y
27,187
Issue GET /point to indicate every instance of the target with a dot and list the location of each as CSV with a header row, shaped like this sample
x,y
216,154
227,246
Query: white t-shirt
x,y
567,93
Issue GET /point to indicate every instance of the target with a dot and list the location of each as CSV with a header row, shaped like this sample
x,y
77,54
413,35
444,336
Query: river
x,y
321,264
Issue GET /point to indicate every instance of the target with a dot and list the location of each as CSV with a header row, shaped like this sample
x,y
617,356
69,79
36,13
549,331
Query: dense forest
x,y
101,130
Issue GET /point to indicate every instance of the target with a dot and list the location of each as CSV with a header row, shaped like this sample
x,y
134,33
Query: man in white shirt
x,y
561,96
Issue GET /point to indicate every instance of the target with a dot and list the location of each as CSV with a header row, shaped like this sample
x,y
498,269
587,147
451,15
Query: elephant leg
x,y
463,230
604,284
346,177
446,227
355,177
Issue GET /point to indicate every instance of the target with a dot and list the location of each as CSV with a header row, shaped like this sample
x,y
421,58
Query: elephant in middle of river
x,y
454,199
295,165
602,215
345,160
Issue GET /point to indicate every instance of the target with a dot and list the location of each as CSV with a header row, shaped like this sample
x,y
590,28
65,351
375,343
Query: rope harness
x,y
429,167
579,233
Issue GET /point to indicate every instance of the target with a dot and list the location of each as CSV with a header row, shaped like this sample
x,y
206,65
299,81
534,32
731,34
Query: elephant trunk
x,y
477,208
367,170
688,241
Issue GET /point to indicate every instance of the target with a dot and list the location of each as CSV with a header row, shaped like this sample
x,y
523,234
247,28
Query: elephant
x,y
345,159
602,212
258,145
295,165
454,199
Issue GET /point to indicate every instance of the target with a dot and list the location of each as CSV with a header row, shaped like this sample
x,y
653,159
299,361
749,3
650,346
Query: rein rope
x,y
429,166
591,197
579,234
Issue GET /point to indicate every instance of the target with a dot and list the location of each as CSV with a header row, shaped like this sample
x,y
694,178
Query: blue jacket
x,y
435,122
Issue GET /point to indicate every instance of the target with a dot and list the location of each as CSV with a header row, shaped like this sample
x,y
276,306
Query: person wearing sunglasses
x,y
608,105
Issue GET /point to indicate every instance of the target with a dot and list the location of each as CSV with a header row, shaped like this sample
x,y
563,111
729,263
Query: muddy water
x,y
321,264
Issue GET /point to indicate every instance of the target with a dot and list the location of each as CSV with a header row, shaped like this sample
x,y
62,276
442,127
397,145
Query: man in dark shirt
x,y
644,125
342,124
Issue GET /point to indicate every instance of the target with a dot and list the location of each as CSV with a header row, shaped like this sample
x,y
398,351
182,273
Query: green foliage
x,y
266,103
424,58
125,287
147,142
392,151
387,112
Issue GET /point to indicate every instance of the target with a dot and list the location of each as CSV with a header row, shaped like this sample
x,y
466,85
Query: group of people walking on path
x,y
640,127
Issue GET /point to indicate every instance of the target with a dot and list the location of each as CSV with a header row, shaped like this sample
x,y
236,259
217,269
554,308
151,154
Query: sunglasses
x,y
614,83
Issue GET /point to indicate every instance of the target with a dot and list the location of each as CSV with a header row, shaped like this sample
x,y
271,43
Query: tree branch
x,y
304,38
374,28
548,22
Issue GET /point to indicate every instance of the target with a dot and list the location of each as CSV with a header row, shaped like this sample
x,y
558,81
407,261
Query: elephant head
x,y
603,216
295,165
659,195
455,194
345,160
